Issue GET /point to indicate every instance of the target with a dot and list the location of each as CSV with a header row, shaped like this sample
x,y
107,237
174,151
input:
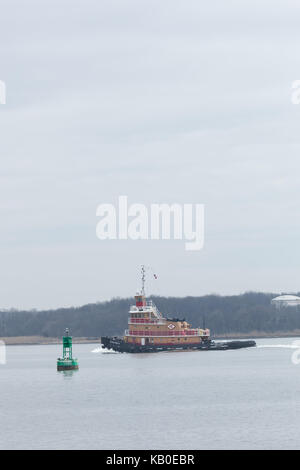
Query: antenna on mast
x,y
143,278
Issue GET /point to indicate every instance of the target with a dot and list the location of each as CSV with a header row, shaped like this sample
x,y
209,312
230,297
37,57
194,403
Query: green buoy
x,y
67,362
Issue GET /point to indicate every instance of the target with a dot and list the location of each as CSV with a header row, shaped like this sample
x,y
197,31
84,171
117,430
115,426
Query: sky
x,y
164,102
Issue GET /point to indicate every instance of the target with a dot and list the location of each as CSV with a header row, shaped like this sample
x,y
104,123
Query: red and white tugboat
x,y
149,331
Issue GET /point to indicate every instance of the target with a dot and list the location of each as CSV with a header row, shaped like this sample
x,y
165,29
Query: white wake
x,y
103,350
285,346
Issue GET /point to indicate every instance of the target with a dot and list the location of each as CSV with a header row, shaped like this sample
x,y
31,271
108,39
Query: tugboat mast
x,y
143,278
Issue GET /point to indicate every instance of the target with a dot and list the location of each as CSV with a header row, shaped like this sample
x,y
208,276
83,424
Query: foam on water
x,y
103,350
284,346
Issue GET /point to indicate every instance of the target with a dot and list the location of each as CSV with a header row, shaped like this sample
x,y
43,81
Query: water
x,y
175,400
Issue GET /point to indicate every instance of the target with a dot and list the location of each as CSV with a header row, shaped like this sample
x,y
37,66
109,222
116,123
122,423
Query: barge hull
x,y
118,344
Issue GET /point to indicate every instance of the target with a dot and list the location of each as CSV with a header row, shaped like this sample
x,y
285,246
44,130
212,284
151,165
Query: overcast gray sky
x,y
163,101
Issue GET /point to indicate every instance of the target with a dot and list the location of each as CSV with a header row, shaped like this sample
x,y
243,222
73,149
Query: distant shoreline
x,y
260,334
41,340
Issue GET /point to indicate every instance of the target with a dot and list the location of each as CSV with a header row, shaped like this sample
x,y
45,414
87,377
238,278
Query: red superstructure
x,y
146,325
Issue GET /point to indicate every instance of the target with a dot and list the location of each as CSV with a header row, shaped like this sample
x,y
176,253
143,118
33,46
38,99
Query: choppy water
x,y
175,400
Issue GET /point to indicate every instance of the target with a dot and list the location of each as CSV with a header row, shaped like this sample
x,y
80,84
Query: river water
x,y
242,399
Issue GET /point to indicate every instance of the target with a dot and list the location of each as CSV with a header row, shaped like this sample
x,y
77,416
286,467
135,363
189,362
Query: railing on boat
x,y
146,320
195,332
150,305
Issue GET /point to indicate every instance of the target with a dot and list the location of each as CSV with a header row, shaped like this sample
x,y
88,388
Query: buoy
x,y
67,362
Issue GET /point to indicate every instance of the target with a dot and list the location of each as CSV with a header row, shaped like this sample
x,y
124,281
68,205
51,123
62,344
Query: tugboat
x,y
149,331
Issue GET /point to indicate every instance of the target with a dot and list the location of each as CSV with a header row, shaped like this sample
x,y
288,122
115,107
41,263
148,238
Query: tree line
x,y
223,315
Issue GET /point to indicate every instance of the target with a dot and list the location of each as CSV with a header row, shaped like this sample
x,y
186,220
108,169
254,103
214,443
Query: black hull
x,y
118,344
